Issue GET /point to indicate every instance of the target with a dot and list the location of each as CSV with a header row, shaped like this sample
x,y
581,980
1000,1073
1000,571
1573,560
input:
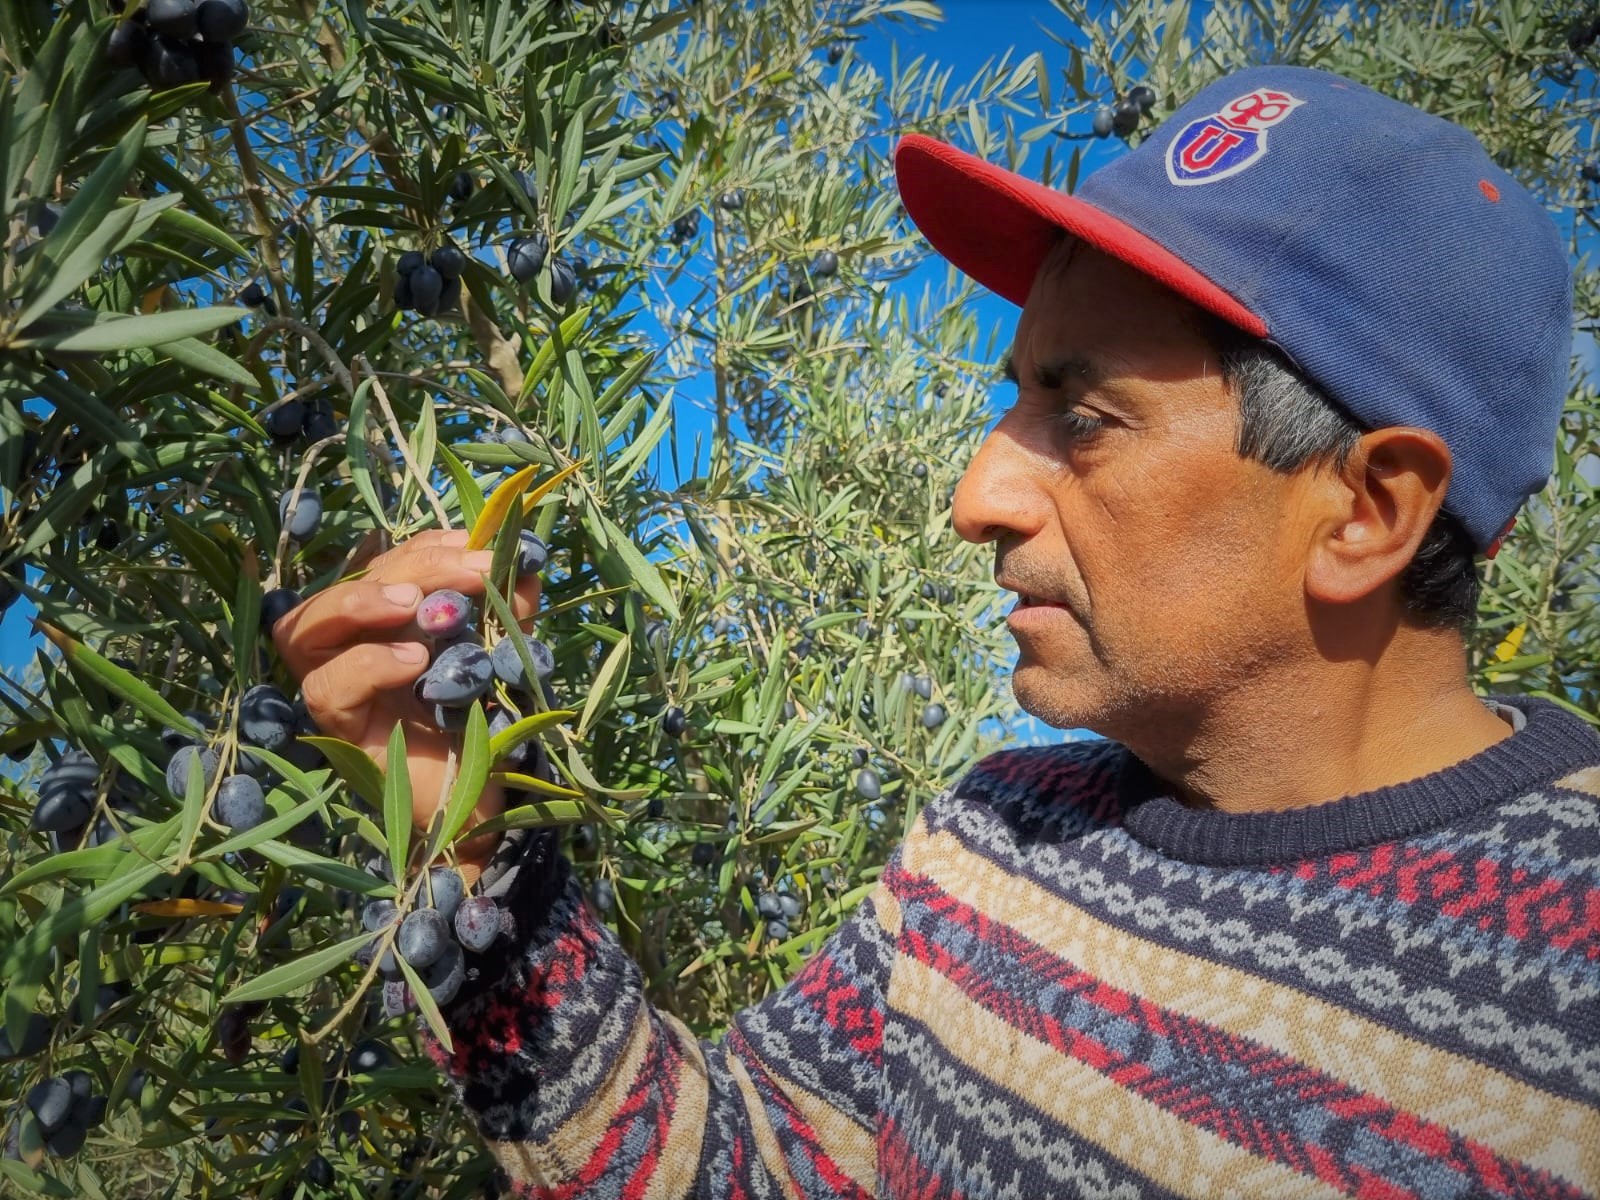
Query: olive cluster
x,y
174,42
526,257
431,284
432,938
62,1110
1123,116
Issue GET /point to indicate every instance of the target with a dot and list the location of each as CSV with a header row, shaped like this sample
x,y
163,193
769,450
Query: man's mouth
x,y
1026,601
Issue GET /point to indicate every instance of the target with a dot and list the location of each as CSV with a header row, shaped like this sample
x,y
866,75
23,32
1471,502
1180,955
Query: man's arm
x,y
581,1087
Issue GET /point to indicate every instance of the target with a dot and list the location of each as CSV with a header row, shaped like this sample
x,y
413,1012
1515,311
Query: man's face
x,y
1112,486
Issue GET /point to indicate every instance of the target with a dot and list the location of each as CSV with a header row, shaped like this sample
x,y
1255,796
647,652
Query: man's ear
x,y
1374,513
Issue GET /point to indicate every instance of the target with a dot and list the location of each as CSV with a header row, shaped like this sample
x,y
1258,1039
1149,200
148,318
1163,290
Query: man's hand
x,y
356,650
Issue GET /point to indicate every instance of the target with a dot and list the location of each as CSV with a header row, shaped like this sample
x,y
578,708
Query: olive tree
x,y
286,284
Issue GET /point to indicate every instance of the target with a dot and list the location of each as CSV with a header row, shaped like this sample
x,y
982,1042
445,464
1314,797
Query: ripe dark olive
x,y
319,424
1104,122
448,261
532,553
409,262
1591,170
525,257
267,718
171,64
277,604
402,292
460,674
507,662
444,613
319,1171
423,936
674,722
252,295
369,1057
287,420
461,186
171,18
867,784
933,716
178,768
50,1102
563,281
128,44
835,54
825,265
301,512
686,227
220,21
732,201
477,923
1144,97
240,803
445,890
1125,117
427,286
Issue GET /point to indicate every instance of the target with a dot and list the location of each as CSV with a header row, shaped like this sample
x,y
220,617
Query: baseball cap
x,y
1379,247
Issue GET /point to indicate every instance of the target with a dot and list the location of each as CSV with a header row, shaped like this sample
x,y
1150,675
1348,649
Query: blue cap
x,y
1380,248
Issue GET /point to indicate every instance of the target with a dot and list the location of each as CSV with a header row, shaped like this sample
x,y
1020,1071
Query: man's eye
x,y
1075,425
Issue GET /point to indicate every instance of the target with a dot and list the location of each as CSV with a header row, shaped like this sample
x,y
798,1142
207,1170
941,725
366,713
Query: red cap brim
x,y
997,227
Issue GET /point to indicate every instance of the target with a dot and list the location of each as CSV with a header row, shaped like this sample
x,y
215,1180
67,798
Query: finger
x,y
339,692
344,613
433,568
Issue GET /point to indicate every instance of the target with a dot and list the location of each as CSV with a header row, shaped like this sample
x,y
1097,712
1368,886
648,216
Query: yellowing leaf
x,y
1507,650
188,908
545,488
498,507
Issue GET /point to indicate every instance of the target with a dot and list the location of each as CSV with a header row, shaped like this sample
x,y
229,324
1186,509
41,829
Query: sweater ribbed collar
x,y
1550,744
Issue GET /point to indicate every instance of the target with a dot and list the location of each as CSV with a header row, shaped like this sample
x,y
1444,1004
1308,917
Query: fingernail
x,y
410,652
478,560
403,594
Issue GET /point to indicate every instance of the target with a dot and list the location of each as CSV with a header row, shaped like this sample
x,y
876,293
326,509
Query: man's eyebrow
x,y
1053,372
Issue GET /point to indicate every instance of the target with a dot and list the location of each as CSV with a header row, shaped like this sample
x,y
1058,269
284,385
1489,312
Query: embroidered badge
x,y
1228,141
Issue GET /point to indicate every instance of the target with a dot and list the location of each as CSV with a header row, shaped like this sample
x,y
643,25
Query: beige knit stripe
x,y
761,1129
1165,1148
574,1143
1513,1119
849,1146
679,1164
528,1163
1586,780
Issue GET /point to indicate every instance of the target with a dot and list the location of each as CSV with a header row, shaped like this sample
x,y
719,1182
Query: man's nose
x,y
1000,491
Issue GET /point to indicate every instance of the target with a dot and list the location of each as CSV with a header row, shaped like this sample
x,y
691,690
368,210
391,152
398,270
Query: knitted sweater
x,y
1068,984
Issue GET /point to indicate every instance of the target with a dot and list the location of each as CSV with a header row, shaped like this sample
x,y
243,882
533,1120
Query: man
x,y
1314,920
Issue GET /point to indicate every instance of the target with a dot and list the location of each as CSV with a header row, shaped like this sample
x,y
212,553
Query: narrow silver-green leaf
x,y
280,981
397,802
471,776
131,333
355,767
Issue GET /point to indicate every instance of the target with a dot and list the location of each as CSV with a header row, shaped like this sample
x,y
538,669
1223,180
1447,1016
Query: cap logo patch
x,y
1228,141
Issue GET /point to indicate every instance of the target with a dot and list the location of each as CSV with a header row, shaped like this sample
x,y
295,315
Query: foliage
x,y
152,403
792,589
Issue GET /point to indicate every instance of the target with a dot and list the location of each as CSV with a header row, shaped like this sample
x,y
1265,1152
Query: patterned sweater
x,y
1067,984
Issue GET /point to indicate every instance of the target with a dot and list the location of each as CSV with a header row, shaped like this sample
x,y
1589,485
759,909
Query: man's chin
x,y
1060,699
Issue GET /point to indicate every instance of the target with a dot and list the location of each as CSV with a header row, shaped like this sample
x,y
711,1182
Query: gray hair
x,y
1287,423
